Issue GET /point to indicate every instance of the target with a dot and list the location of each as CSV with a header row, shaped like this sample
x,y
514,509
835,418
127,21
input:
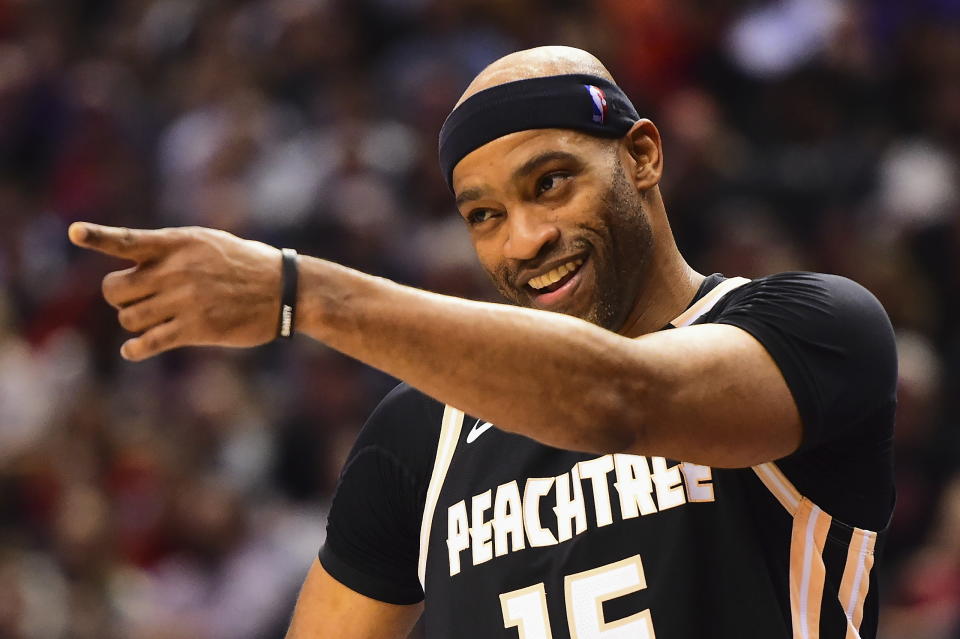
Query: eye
x,y
479,216
550,181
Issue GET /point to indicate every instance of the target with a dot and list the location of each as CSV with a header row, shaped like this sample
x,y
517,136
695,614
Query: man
x,y
581,472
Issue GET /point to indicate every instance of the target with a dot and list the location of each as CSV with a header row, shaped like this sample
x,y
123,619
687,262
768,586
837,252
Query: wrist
x,y
327,301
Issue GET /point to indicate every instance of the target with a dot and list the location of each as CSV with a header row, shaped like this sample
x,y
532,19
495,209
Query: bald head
x,y
536,63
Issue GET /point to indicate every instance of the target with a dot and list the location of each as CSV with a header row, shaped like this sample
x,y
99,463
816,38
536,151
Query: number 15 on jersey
x,y
584,592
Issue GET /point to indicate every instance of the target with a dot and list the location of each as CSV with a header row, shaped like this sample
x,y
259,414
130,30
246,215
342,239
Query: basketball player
x,y
630,450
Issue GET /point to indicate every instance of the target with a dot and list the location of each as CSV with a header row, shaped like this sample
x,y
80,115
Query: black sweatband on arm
x,y
288,292
581,102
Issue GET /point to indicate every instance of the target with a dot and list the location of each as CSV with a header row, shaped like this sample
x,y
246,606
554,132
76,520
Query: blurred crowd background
x,y
184,497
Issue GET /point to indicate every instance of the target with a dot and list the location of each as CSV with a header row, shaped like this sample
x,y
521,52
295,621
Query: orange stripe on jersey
x,y
856,579
778,484
807,571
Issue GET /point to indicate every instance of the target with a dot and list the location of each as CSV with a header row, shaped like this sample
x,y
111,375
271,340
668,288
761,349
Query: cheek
x,y
586,210
490,259
486,257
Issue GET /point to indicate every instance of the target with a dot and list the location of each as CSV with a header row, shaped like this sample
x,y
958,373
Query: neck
x,y
669,285
665,296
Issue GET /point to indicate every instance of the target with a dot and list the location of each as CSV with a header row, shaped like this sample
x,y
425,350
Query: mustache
x,y
506,274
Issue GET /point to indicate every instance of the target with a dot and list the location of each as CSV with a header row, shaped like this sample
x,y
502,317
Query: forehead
x,y
496,161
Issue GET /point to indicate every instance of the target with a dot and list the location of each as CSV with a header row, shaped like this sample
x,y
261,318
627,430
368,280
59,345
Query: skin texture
x,y
595,376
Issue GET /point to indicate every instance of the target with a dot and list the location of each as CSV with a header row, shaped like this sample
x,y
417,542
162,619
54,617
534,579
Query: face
x,y
556,223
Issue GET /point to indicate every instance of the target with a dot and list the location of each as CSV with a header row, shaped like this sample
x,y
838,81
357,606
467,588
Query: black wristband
x,y
288,293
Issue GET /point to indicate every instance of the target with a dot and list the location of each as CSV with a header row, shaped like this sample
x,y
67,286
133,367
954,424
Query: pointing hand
x,y
190,286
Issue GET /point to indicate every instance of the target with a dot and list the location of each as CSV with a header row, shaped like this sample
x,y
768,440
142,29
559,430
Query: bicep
x,y
327,608
713,395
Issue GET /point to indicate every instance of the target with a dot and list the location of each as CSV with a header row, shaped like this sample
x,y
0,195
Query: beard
x,y
618,241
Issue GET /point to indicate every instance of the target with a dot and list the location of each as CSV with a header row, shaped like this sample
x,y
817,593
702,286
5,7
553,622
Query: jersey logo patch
x,y
477,430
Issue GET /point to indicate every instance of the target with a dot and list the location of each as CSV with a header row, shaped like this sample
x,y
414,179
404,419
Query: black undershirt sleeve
x,y
373,528
833,343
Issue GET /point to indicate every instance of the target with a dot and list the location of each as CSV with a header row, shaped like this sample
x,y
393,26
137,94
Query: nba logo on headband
x,y
599,101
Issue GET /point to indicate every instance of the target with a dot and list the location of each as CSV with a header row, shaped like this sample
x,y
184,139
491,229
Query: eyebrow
x,y
524,170
537,161
470,195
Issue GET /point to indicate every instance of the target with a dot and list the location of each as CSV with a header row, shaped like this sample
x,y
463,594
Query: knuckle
x,y
192,234
187,290
162,340
168,277
186,267
205,317
142,277
109,288
190,260
178,234
127,318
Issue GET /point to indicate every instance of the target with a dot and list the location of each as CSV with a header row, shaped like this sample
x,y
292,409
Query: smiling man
x,y
630,450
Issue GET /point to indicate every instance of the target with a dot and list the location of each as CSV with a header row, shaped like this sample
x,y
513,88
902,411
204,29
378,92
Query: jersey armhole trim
x,y
807,568
450,428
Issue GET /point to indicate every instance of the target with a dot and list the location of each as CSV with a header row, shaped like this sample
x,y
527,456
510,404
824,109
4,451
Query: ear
x,y
642,145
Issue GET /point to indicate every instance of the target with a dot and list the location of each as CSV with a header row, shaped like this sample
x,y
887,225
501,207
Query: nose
x,y
528,234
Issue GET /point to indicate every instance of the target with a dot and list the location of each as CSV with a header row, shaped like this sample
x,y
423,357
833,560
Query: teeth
x,y
555,275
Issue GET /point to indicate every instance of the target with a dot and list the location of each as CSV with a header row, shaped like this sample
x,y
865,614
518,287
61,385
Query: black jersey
x,y
510,538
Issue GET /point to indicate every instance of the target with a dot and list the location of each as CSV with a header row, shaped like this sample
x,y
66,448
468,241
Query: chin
x,y
586,312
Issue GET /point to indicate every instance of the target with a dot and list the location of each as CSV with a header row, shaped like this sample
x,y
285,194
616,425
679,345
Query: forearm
x,y
551,377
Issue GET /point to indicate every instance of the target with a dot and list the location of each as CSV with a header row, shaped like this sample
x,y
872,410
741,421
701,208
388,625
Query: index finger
x,y
131,244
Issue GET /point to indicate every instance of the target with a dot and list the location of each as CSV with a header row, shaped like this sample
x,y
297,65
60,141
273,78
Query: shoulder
x,y
405,426
405,407
835,346
812,303
830,337
820,293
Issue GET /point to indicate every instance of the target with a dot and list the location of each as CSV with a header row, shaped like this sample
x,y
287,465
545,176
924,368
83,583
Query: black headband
x,y
577,101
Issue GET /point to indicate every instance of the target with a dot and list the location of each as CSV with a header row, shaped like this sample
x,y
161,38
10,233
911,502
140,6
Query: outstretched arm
x,y
707,394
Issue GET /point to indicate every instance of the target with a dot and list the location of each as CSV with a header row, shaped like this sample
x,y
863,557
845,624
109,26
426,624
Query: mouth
x,y
557,284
